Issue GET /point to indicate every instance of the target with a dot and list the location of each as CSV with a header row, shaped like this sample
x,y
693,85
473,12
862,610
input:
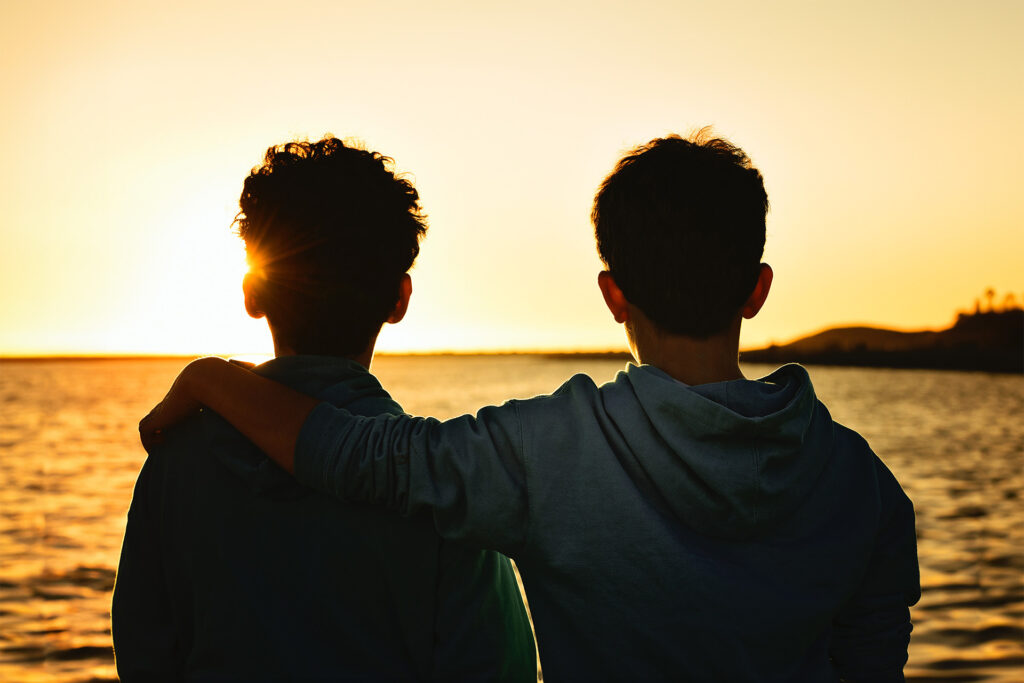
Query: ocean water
x,y
69,454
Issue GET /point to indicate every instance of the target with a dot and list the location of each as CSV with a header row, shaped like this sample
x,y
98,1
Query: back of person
x,y
233,571
723,532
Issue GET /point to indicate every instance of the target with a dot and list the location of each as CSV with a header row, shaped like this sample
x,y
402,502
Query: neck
x,y
364,358
687,359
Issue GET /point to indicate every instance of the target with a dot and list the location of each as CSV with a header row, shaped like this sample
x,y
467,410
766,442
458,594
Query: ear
x,y
402,305
250,288
614,299
756,299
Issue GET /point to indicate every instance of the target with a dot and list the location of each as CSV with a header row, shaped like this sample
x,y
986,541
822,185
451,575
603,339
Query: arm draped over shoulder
x,y
468,472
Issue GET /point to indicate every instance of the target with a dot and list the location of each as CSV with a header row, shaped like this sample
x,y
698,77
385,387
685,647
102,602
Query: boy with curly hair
x,y
230,569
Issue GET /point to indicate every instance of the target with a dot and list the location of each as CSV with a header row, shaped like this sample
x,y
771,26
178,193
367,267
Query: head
x,y
680,227
330,232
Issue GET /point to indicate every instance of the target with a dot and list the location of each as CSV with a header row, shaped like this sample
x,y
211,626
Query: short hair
x,y
329,229
680,225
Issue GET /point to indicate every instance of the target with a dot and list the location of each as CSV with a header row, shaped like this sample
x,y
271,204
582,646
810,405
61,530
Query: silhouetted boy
x,y
680,522
231,570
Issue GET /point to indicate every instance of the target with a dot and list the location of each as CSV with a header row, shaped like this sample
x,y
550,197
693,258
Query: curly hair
x,y
329,231
680,224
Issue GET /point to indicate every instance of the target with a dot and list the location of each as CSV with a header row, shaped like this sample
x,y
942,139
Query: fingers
x,y
176,406
150,433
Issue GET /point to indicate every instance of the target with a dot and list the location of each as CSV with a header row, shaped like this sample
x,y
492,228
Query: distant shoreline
x,y
982,342
985,342
90,357
581,355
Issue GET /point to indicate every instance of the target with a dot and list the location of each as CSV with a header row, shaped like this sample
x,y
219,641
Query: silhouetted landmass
x,y
989,342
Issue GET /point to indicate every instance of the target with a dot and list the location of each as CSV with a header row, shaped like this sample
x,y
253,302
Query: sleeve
x,y
468,472
872,633
146,646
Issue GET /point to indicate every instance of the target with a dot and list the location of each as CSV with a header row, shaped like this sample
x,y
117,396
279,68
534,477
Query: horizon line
x,y
401,354
596,352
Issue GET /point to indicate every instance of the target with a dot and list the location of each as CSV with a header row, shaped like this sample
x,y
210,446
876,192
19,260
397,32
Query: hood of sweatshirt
x,y
729,459
336,380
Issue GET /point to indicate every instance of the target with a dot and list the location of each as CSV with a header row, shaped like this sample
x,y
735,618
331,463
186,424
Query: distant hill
x,y
990,342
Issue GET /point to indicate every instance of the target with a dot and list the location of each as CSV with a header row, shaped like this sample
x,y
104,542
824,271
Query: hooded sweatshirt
x,y
232,570
721,532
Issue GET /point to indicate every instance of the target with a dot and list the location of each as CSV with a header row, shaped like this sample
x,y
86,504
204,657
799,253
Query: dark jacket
x,y
231,570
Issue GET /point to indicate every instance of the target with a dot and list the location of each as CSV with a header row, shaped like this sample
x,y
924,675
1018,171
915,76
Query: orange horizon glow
x,y
261,356
891,170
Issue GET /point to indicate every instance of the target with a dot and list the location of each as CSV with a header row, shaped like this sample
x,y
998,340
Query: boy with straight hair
x,y
679,522
231,570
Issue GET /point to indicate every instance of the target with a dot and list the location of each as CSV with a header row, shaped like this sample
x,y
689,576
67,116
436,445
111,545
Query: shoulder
x,y
577,391
851,444
180,445
168,466
854,445
555,418
183,462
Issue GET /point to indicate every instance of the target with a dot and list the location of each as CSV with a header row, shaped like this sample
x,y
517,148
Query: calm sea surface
x,y
69,454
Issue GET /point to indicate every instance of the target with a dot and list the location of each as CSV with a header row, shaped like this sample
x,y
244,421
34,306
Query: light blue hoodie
x,y
722,532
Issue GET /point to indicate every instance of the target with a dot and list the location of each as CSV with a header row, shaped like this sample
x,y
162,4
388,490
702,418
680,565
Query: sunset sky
x,y
889,135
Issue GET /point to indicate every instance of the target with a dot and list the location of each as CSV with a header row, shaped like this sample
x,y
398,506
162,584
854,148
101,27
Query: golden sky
x,y
889,135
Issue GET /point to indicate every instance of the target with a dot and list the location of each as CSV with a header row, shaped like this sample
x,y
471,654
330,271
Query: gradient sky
x,y
889,135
